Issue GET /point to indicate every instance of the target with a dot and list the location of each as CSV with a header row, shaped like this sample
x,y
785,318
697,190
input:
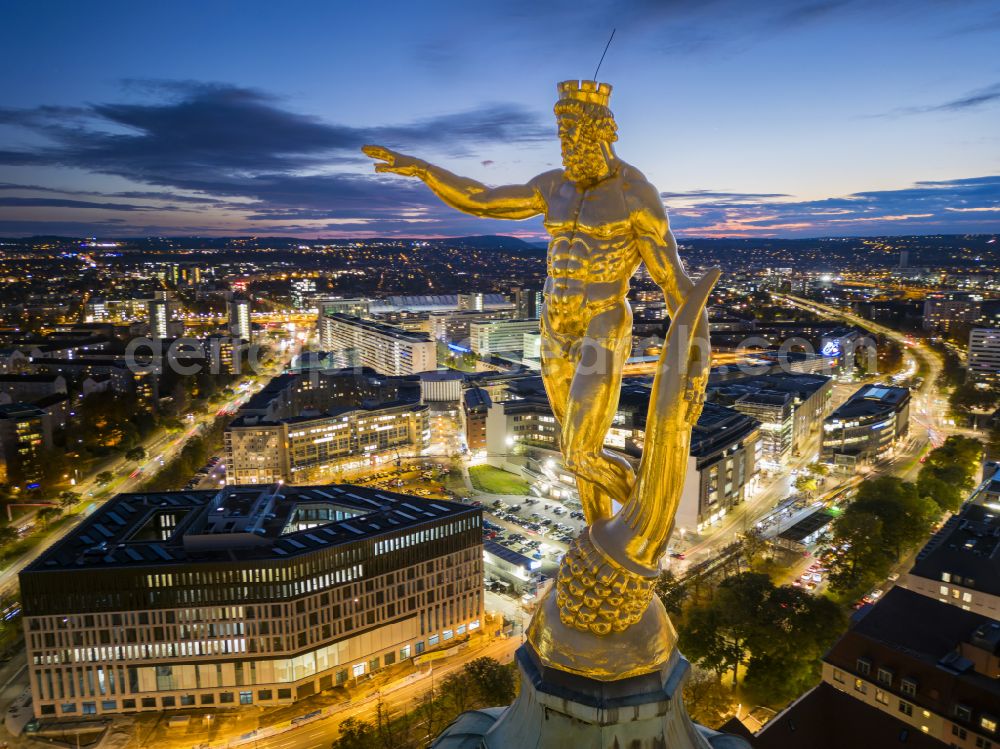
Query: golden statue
x,y
604,219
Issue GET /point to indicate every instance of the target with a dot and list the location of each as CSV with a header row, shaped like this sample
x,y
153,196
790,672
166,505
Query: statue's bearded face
x,y
582,155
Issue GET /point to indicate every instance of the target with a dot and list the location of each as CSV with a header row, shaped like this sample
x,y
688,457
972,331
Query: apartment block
x,y
384,348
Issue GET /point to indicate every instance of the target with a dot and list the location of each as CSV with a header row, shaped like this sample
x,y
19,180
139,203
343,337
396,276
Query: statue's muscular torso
x,y
594,249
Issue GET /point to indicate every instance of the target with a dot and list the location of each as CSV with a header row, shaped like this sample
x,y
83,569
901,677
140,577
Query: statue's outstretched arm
x,y
658,250
657,246
468,195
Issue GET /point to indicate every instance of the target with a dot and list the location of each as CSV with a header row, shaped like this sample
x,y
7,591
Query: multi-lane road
x,y
927,411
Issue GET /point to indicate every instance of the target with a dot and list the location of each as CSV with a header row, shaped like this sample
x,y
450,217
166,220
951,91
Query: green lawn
x,y
495,481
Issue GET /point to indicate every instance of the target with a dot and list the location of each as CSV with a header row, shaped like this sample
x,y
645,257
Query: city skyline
x,y
798,119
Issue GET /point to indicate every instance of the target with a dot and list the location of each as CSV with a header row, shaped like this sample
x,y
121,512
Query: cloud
x,y
216,147
971,100
232,131
675,28
211,158
947,206
734,197
8,202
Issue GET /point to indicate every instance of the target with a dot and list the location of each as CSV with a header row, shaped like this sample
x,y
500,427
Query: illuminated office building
x,y
248,596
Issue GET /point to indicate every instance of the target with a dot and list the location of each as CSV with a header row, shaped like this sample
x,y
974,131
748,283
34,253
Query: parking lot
x,y
538,529
421,479
211,476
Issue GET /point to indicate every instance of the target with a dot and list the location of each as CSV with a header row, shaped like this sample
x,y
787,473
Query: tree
x,y
54,467
993,443
952,372
67,499
906,516
136,453
857,556
968,397
106,421
671,592
494,683
805,484
456,689
104,477
956,461
777,633
388,730
708,702
356,734
7,535
47,514
787,660
429,715
819,470
945,494
716,635
754,546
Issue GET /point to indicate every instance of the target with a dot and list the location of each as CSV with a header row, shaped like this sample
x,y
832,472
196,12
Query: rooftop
x,y
967,549
802,386
477,398
872,400
826,718
20,411
380,328
259,522
919,638
719,427
808,526
19,378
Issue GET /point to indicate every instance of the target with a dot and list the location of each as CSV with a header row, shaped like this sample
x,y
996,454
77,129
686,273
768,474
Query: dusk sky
x,y
775,118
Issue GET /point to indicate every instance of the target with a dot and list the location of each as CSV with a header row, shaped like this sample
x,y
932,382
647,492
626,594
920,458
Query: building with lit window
x,y
866,427
302,290
25,435
248,596
384,348
453,326
314,448
774,411
984,355
527,303
224,354
520,419
118,370
239,318
335,305
724,454
475,301
943,309
160,319
309,427
101,309
961,563
500,336
476,405
810,396
910,672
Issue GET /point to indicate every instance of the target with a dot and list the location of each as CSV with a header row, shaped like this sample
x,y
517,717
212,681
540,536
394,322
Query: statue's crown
x,y
588,91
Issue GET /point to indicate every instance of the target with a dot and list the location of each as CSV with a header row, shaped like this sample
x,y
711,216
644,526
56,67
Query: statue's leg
x,y
593,399
560,356
557,369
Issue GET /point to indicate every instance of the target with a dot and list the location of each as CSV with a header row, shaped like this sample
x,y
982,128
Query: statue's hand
x,y
396,163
